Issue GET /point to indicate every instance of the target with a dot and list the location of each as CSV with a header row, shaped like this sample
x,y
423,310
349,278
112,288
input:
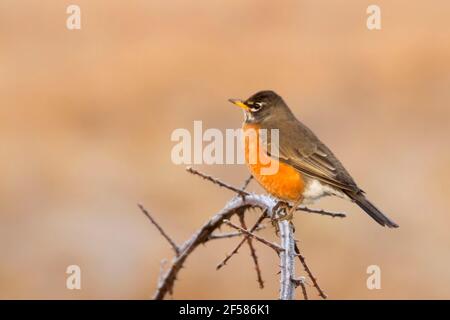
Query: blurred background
x,y
86,118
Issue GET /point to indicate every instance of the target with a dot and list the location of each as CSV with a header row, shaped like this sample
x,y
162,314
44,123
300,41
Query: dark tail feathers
x,y
371,210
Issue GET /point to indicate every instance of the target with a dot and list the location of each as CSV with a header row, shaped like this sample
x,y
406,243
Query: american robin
x,y
307,169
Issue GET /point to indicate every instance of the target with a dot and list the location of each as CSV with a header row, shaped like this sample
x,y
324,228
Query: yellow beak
x,y
239,103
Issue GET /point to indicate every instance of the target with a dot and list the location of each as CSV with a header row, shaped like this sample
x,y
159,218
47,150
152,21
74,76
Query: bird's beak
x,y
239,103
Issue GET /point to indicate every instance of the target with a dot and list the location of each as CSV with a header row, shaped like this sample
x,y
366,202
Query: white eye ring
x,y
256,106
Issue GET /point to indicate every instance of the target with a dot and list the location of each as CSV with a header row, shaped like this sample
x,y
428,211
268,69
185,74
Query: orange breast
x,y
285,182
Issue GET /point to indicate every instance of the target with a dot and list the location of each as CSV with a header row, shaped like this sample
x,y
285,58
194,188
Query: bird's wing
x,y
300,148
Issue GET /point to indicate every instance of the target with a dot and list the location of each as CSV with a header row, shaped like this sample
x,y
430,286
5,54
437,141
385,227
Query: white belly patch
x,y
315,190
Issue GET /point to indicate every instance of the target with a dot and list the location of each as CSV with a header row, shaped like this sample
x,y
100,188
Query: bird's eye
x,y
256,106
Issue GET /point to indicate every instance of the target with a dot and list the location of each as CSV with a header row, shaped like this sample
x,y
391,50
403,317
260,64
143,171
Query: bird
x,y
306,169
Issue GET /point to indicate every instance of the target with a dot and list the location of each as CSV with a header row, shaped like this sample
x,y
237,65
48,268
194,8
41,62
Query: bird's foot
x,y
282,211
279,209
287,217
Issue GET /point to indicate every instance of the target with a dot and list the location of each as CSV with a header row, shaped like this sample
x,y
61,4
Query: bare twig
x,y
247,182
224,235
272,245
322,212
252,253
308,271
300,282
217,181
239,245
305,294
160,229
229,235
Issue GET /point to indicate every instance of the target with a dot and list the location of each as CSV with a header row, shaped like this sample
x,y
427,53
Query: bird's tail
x,y
371,210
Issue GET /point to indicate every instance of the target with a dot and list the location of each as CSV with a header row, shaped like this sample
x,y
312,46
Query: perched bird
x,y
306,168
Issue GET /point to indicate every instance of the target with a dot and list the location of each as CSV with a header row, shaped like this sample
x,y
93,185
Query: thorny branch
x,y
228,235
272,245
160,229
301,282
239,245
252,252
238,205
287,259
241,192
308,271
322,212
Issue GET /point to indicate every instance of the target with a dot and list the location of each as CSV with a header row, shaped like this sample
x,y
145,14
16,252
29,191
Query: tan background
x,y
86,118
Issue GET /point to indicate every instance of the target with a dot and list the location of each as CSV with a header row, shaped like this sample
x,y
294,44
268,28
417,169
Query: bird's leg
x,y
277,213
278,208
291,211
